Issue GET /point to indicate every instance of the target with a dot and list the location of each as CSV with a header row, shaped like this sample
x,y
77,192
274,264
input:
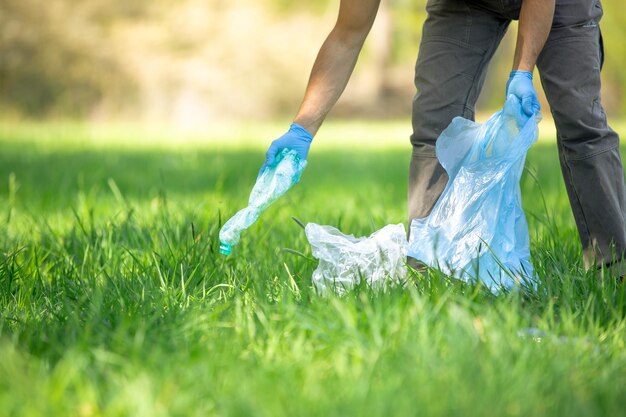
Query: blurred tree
x,y
219,58
55,59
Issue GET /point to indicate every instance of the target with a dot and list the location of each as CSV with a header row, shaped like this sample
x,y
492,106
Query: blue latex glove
x,y
520,84
297,138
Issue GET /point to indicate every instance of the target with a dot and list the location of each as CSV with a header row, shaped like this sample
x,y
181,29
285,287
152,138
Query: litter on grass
x,y
477,230
346,261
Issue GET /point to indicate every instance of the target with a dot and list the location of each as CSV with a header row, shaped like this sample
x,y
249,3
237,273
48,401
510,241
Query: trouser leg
x,y
458,41
569,66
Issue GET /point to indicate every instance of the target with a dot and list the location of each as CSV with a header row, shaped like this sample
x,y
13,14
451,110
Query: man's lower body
x,y
458,41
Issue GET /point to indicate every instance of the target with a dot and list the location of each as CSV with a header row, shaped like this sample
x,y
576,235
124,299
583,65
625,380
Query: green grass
x,y
114,301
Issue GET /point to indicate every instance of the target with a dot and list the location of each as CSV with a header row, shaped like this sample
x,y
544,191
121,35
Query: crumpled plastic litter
x,y
271,184
344,260
477,229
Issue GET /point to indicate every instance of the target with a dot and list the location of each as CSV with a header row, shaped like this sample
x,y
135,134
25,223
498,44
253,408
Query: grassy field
x,y
114,301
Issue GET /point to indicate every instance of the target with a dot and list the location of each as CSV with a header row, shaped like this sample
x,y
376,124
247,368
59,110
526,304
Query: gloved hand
x,y
297,138
520,84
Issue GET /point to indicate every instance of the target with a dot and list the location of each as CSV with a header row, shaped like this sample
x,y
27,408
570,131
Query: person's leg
x,y
458,41
569,66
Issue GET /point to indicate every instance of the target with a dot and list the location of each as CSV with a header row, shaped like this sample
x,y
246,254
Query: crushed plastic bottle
x,y
271,184
345,260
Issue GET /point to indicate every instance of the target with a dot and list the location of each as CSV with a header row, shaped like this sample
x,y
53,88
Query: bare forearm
x,y
534,26
335,61
329,77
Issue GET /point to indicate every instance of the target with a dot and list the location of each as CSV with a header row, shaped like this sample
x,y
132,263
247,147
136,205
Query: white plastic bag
x,y
345,260
477,228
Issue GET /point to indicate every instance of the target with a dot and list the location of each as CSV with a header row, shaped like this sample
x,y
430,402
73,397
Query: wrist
x,y
311,122
517,73
302,132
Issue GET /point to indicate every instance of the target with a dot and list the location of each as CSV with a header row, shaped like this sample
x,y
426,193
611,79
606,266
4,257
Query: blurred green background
x,y
201,62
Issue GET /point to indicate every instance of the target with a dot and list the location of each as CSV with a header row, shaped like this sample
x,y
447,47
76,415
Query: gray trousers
x,y
458,41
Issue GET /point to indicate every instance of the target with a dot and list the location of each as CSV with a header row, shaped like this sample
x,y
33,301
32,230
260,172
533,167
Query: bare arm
x,y
335,61
535,22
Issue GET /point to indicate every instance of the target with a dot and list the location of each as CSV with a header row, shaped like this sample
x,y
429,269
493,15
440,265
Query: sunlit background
x,y
203,63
